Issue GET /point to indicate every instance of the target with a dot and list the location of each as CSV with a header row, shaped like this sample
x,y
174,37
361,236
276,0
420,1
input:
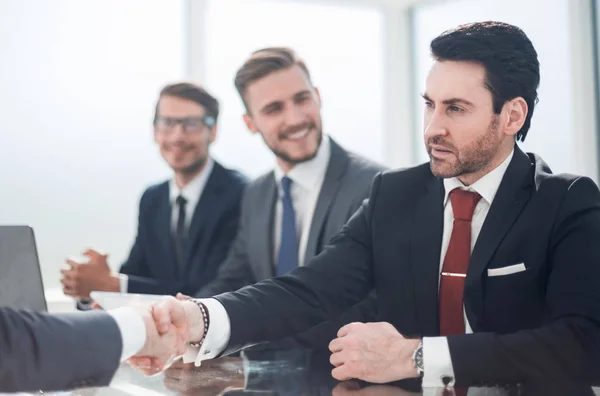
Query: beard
x,y
287,157
194,167
471,159
197,163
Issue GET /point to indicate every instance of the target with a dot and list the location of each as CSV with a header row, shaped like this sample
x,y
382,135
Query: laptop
x,y
21,284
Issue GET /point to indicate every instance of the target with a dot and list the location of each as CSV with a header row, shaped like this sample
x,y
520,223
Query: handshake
x,y
170,325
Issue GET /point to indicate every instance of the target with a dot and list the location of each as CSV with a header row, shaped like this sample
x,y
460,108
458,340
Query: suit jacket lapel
x,y
514,192
264,224
163,230
338,163
425,247
206,204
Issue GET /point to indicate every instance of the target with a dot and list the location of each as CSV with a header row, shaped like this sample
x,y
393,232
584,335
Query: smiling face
x,y
184,147
463,136
285,109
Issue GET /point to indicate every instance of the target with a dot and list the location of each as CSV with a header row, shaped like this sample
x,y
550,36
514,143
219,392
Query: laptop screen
x,y
20,276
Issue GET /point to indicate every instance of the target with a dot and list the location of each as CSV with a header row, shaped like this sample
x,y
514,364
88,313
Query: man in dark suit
x,y
83,349
485,264
187,224
326,184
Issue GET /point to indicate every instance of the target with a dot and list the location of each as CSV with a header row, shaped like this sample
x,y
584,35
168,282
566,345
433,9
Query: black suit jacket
x,y
346,184
56,352
151,265
541,322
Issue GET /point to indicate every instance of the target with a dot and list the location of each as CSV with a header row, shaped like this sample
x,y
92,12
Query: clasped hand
x,y
170,324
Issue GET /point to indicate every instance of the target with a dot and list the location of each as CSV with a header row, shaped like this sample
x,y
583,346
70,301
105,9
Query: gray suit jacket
x,y
347,183
57,352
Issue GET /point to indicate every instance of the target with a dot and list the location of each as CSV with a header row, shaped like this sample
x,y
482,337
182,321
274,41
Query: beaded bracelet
x,y
206,323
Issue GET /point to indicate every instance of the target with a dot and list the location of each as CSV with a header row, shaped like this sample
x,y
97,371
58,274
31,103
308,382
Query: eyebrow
x,y
451,101
279,102
302,93
270,105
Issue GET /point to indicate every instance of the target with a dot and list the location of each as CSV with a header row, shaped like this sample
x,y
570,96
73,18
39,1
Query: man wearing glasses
x,y
186,224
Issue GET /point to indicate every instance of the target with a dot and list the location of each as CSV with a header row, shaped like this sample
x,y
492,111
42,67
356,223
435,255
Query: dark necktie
x,y
456,262
288,248
181,232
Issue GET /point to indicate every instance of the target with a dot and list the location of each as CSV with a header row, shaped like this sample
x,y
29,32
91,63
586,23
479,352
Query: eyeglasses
x,y
188,124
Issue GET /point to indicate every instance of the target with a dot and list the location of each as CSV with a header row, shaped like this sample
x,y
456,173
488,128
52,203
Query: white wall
x,y
79,80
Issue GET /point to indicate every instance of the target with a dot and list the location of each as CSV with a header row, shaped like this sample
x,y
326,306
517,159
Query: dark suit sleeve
x,y
235,272
563,349
332,282
319,336
57,352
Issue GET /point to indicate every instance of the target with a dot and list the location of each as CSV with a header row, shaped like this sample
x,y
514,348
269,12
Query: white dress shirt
x,y
132,329
307,180
192,193
436,353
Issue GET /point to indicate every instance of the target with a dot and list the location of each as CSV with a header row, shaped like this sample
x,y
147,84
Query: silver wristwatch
x,y
417,359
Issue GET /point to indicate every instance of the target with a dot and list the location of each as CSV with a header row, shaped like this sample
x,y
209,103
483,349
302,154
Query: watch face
x,y
419,358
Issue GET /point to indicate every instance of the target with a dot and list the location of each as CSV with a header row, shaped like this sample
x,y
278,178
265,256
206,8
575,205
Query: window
x,y
551,135
342,46
79,85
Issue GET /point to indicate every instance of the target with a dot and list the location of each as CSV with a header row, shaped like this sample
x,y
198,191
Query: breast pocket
x,y
508,270
513,298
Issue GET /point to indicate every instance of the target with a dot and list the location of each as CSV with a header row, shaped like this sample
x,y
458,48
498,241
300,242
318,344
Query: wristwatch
x,y
417,359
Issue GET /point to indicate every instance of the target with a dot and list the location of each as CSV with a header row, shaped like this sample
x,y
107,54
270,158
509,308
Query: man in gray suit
x,y
289,214
47,352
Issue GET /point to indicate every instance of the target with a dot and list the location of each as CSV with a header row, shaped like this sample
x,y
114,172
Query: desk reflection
x,y
289,373
214,377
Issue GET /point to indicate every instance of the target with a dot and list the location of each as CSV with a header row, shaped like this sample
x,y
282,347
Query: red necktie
x,y
456,262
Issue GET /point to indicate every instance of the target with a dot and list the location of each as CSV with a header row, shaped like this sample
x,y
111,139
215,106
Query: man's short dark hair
x,y
511,63
192,92
263,62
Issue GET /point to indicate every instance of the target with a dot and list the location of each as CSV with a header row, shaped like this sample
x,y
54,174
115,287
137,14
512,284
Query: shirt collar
x,y
487,186
192,191
310,174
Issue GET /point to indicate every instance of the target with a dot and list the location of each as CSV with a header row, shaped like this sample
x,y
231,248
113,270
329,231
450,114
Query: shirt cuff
x,y
217,338
123,283
437,362
132,328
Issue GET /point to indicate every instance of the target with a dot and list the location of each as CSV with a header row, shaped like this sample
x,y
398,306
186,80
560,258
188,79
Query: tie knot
x,y
286,185
463,203
181,201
